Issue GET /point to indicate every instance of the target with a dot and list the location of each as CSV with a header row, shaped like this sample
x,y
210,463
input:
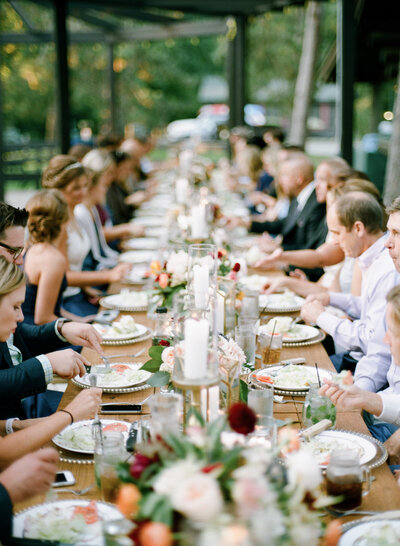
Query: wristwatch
x,y
60,324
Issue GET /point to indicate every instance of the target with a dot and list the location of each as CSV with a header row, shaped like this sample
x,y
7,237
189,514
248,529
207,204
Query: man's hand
x,y
266,243
273,284
393,446
271,261
323,298
82,334
345,400
311,310
68,363
30,475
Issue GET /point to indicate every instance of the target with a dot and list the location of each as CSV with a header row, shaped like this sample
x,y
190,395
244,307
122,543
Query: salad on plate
x,y
121,375
126,298
286,300
290,332
124,328
291,377
71,521
78,437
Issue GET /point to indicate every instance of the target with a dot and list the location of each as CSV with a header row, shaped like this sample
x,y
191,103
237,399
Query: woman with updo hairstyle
x,y
69,176
45,264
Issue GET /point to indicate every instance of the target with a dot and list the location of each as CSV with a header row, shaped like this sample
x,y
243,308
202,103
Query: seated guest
x,y
326,256
385,405
27,477
100,256
103,169
21,375
44,263
304,226
355,221
121,200
67,175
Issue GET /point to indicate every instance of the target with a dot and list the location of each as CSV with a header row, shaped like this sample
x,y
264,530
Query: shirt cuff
x,y
58,333
47,368
391,408
327,322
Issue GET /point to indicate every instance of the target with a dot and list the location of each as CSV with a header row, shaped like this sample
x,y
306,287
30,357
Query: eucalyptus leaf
x,y
159,379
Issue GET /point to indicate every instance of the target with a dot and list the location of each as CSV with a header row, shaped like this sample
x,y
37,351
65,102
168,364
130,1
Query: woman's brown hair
x,y
61,170
47,212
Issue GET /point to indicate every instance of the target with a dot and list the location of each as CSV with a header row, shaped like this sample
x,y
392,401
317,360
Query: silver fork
x,y
93,383
77,492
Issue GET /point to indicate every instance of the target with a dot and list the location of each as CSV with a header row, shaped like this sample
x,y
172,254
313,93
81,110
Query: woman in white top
x,y
67,175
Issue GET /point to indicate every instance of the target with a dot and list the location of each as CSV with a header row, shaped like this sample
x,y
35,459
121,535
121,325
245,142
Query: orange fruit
x,y
154,533
128,498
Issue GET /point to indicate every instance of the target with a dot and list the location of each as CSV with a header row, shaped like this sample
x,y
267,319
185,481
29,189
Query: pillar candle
x,y
201,283
196,348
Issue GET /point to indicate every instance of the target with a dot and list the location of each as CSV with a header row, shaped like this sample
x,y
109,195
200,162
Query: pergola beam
x,y
148,32
91,18
22,15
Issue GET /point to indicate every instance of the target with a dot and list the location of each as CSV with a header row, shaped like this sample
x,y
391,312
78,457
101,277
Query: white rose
x,y
169,478
303,470
251,494
231,348
167,357
198,498
177,267
270,519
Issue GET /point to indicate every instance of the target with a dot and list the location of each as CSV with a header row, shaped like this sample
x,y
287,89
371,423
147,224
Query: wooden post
x,y
61,43
392,179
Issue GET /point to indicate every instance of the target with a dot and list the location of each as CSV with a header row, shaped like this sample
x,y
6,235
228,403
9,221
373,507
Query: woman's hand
x,y
85,404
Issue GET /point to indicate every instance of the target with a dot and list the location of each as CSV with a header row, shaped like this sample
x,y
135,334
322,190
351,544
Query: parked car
x,y
211,120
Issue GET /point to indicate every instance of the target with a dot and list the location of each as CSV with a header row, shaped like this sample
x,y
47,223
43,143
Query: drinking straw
x,y
272,336
319,379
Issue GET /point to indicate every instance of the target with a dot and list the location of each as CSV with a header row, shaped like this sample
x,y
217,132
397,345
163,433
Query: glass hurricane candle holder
x,y
202,272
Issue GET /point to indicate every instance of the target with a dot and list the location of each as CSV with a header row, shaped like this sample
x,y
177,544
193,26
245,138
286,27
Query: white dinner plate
x,y
254,282
154,231
108,335
324,443
40,518
142,243
124,374
137,256
78,437
137,275
127,300
388,531
280,302
149,221
300,332
291,378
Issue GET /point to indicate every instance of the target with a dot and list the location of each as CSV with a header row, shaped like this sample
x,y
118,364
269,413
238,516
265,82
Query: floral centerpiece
x,y
212,484
170,277
225,266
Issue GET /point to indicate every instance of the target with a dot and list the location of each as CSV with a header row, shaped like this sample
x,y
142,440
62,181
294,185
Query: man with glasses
x,y
21,375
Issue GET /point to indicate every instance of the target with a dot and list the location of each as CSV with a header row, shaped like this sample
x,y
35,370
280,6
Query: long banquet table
x,y
384,494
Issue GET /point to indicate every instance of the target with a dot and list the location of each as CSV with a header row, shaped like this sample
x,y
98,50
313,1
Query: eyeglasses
x,y
15,251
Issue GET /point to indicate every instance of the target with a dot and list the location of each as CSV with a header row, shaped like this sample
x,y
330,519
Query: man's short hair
x,y
394,206
11,217
361,207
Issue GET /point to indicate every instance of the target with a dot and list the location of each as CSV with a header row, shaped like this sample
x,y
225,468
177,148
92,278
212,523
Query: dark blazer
x,y
26,379
300,231
6,510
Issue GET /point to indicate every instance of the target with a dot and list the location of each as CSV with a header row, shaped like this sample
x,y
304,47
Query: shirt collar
x,y
303,196
370,255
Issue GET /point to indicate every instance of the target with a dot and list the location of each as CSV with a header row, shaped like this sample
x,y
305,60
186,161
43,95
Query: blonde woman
x,y
45,265
37,432
68,175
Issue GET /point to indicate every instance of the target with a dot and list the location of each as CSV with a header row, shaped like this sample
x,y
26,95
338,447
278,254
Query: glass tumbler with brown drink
x,y
270,348
345,477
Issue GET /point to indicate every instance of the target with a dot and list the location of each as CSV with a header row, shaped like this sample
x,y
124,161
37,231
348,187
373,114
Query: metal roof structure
x,y
368,42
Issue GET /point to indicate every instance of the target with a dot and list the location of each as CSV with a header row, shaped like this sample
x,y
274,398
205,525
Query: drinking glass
x,y
345,477
250,305
317,407
166,411
245,335
270,348
261,401
106,464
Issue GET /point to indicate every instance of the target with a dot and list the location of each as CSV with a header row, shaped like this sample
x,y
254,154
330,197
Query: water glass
x,y
245,336
106,464
250,305
166,410
261,401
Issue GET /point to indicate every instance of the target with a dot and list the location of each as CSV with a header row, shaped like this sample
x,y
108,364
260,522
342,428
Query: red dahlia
x,y
242,419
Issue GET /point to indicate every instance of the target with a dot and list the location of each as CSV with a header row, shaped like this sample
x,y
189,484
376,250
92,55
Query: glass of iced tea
x,y
345,477
270,348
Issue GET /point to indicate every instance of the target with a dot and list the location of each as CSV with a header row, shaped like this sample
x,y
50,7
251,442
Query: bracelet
x,y
69,413
9,424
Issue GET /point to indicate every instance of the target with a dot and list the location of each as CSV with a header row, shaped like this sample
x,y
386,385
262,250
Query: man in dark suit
x,y
305,224
20,374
